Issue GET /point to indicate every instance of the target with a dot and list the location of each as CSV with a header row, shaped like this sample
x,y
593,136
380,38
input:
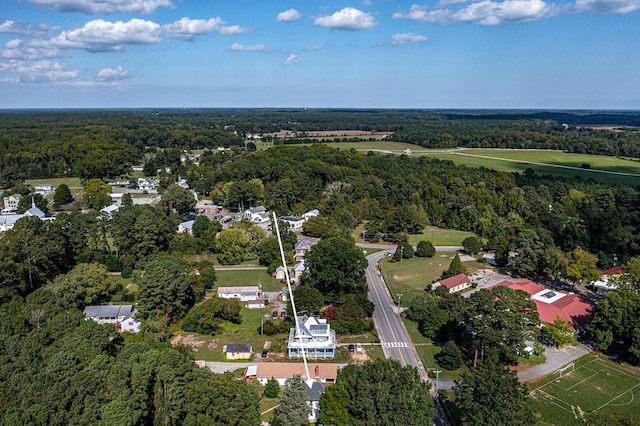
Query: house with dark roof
x,y
123,316
238,350
316,338
301,248
314,392
453,284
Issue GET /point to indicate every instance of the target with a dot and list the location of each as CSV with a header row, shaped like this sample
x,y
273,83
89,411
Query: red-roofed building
x,y
609,279
551,304
453,284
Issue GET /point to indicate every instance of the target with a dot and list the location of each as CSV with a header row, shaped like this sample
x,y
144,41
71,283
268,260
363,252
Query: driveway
x,y
556,358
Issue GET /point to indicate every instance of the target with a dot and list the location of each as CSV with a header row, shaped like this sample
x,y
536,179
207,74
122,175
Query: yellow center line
x,y
384,312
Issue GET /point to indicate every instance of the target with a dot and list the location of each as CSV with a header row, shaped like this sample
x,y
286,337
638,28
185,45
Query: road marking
x,y
396,344
384,312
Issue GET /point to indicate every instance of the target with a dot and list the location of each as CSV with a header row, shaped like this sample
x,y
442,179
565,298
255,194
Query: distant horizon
x,y
436,54
328,108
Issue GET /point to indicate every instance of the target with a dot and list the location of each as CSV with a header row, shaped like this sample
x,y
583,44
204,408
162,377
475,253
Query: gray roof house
x,y
316,338
314,391
123,316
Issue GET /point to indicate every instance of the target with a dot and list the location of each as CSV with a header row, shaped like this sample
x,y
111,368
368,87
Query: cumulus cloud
x,y
607,6
188,29
17,49
347,19
289,15
38,72
92,7
488,12
292,60
112,74
104,36
249,48
405,38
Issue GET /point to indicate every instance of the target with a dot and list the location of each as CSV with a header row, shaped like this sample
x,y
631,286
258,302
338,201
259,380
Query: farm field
x,y
596,385
378,145
556,163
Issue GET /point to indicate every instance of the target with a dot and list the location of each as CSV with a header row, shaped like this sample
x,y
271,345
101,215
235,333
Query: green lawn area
x,y
603,168
209,348
427,351
246,278
597,384
411,276
71,182
440,236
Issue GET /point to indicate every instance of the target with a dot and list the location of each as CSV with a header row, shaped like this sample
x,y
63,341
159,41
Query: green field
x,y
378,145
596,385
556,163
411,276
246,278
71,182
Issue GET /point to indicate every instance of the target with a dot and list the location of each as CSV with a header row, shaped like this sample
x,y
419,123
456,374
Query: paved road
x,y
556,358
393,336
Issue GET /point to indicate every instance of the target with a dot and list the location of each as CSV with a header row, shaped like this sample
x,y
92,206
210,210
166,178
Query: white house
x,y
296,222
311,213
7,221
281,371
43,189
453,284
256,215
298,269
109,210
316,338
186,227
314,392
243,293
120,315
609,279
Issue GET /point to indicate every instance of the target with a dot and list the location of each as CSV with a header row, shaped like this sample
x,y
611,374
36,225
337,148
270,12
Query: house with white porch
x,y
316,338
257,215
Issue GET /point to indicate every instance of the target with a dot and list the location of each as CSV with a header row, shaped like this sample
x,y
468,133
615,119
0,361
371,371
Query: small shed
x,y
238,350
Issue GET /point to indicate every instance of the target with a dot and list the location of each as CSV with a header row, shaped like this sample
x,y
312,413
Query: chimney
x,y
317,371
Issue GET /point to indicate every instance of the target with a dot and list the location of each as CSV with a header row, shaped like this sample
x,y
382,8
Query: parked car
x,y
275,314
265,352
283,314
359,348
352,348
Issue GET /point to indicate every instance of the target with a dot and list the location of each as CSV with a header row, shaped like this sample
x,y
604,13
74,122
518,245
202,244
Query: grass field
x,y
71,182
595,385
378,145
437,236
246,278
411,276
556,163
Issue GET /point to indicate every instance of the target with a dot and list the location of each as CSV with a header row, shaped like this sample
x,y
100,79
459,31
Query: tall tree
x,y
62,196
96,194
293,409
85,284
379,393
492,395
31,200
336,266
179,199
165,290
582,268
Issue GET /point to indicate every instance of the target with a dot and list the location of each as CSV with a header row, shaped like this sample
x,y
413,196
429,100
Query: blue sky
x,y
307,53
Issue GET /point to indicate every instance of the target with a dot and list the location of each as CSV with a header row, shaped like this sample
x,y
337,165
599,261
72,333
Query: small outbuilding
x,y
238,350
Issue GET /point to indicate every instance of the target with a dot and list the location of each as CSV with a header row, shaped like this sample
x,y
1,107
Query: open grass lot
x,y
377,145
556,163
411,276
71,182
247,277
595,385
440,236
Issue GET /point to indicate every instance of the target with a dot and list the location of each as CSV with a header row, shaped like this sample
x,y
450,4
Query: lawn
x,y
427,351
71,182
603,168
209,348
440,236
597,384
247,278
412,276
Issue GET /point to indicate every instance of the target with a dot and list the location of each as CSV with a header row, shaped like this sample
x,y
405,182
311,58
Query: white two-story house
x,y
316,338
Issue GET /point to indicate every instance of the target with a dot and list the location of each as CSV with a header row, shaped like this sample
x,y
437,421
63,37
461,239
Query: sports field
x,y
596,384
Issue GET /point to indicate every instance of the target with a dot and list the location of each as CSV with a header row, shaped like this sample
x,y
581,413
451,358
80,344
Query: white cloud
x,y
289,15
292,60
347,19
38,72
104,36
421,14
112,74
249,48
92,7
16,49
405,38
607,6
188,29
313,48
22,28
488,12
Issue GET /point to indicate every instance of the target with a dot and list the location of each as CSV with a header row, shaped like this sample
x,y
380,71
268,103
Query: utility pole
x,y
401,253
399,296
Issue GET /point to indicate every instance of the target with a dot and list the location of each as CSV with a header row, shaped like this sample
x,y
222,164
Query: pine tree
x,y
272,388
293,409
